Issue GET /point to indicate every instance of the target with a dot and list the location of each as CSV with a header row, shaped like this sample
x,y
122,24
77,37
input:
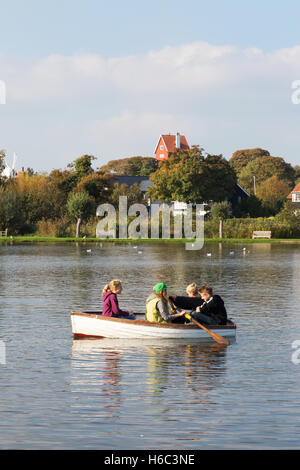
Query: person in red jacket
x,y
110,301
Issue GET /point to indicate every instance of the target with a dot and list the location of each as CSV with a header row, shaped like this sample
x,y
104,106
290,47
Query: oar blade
x,y
218,338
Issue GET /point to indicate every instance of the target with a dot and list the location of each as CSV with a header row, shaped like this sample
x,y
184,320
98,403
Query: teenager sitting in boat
x,y
212,311
190,302
110,301
157,306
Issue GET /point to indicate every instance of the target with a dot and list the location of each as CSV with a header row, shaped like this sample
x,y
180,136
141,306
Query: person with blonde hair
x,y
192,290
190,302
110,301
157,306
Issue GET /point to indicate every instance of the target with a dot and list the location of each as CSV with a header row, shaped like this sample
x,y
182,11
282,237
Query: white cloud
x,y
190,68
219,96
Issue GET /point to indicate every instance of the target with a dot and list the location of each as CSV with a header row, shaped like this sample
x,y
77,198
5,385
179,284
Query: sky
x,y
107,78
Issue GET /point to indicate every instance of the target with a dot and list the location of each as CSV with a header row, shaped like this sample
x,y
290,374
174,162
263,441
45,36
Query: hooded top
x,y
215,308
111,306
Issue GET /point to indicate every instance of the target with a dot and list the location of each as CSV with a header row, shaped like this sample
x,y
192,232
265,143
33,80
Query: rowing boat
x,y
94,325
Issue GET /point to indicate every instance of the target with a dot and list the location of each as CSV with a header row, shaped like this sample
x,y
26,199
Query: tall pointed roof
x,y
170,142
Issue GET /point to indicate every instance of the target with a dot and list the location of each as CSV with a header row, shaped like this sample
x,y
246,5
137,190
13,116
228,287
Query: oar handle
x,y
173,308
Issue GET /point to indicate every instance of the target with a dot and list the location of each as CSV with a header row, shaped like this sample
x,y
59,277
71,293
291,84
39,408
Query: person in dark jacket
x,y
110,301
190,302
212,311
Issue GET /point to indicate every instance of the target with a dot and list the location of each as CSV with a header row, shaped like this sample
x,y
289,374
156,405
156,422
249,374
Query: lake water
x,y
60,393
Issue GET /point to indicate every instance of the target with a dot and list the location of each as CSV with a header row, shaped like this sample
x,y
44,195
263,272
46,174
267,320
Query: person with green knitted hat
x,y
157,306
160,287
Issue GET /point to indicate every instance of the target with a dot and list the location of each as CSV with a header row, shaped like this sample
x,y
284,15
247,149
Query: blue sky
x,y
107,78
34,28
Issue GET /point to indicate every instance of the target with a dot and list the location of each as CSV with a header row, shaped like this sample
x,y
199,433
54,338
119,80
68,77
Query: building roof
x,y
170,142
240,189
143,181
295,190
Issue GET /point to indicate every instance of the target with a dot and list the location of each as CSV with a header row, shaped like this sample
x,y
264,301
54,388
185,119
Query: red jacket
x,y
111,306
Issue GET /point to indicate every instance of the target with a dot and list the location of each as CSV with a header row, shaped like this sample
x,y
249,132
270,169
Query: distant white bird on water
x,y
231,253
208,254
89,251
140,252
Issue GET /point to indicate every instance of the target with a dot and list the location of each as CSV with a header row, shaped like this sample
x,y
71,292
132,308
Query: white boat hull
x,y
95,325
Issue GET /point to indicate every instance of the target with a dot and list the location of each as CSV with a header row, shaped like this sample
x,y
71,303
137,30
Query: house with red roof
x,y
167,143
294,196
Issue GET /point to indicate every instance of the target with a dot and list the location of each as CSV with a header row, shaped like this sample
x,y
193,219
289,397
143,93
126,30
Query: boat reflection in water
x,y
115,379
191,371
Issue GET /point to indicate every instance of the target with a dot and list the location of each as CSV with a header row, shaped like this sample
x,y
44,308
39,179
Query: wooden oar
x,y
218,338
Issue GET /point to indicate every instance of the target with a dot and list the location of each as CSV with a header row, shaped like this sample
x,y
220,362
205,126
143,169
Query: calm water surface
x,y
60,393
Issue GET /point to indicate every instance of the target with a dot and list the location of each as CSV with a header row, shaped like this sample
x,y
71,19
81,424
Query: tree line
x,y
58,203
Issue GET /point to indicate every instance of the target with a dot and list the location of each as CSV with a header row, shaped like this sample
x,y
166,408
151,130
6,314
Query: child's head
x,y
206,292
160,290
192,290
114,286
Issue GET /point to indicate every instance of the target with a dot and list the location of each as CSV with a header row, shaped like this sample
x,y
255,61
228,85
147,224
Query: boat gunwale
x,y
137,322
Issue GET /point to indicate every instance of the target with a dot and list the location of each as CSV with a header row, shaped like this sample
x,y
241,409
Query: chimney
x,y
177,141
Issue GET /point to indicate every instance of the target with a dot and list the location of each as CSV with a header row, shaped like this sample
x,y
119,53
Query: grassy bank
x,y
37,239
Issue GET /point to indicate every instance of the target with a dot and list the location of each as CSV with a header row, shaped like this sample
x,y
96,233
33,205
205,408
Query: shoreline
x,y
37,239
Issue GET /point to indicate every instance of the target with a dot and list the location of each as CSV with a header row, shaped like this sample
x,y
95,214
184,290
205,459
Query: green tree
x,y
249,207
272,193
221,211
133,193
188,176
241,158
35,198
82,166
297,173
64,181
97,185
288,215
8,208
132,166
264,168
80,206
221,178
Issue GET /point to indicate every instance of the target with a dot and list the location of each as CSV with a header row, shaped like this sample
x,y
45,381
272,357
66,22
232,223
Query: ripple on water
x,y
57,392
